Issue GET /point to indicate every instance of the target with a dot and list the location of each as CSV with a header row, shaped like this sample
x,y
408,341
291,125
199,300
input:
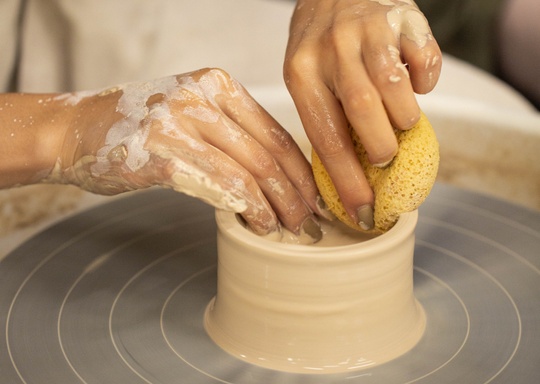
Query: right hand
x,y
358,62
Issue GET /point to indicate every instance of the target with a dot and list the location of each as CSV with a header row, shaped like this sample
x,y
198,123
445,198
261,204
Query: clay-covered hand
x,y
358,62
199,133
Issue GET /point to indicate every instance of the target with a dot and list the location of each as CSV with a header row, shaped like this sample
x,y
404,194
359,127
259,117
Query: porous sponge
x,y
400,187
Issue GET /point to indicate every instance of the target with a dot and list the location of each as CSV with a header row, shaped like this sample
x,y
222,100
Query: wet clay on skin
x,y
404,18
126,141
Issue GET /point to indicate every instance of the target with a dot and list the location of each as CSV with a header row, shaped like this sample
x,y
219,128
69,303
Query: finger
x,y
276,186
259,124
424,63
327,129
390,77
213,177
362,102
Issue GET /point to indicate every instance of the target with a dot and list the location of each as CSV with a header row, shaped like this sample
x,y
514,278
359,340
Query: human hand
x,y
358,62
199,133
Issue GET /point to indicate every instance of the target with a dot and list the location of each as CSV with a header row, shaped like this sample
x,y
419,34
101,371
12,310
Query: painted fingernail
x,y
323,209
365,217
311,228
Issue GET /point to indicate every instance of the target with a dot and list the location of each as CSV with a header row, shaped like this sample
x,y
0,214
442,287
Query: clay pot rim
x,y
231,227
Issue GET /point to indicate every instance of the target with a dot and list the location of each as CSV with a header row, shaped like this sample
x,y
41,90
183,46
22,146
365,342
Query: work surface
x,y
116,294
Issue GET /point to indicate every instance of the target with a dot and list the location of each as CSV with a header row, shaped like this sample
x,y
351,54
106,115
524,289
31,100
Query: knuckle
x,y
305,179
264,165
282,141
339,45
331,150
387,67
335,40
361,102
218,73
297,65
240,181
245,181
388,74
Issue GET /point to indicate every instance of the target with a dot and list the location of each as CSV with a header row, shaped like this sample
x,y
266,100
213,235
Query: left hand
x,y
199,133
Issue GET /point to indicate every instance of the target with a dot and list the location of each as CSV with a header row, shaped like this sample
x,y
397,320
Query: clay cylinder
x,y
309,309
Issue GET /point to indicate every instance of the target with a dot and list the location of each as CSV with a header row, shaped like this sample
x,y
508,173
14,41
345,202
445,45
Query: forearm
x,y
32,129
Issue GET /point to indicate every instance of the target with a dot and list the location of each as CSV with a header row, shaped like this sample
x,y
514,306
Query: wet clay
x,y
315,309
406,19
335,233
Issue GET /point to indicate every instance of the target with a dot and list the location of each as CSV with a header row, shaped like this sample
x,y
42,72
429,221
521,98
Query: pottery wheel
x,y
117,294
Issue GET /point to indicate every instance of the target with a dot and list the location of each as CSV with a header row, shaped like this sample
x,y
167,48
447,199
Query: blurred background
x,y
498,36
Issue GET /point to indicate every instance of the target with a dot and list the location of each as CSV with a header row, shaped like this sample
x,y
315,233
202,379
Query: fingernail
x,y
383,165
365,217
311,228
323,209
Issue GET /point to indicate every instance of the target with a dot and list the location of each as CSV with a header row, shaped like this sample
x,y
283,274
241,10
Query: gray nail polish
x,y
365,217
323,209
312,229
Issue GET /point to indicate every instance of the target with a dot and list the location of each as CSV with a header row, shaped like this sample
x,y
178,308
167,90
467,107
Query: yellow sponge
x,y
400,187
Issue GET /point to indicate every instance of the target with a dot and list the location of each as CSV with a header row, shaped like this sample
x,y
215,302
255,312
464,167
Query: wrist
x,y
88,117
32,130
